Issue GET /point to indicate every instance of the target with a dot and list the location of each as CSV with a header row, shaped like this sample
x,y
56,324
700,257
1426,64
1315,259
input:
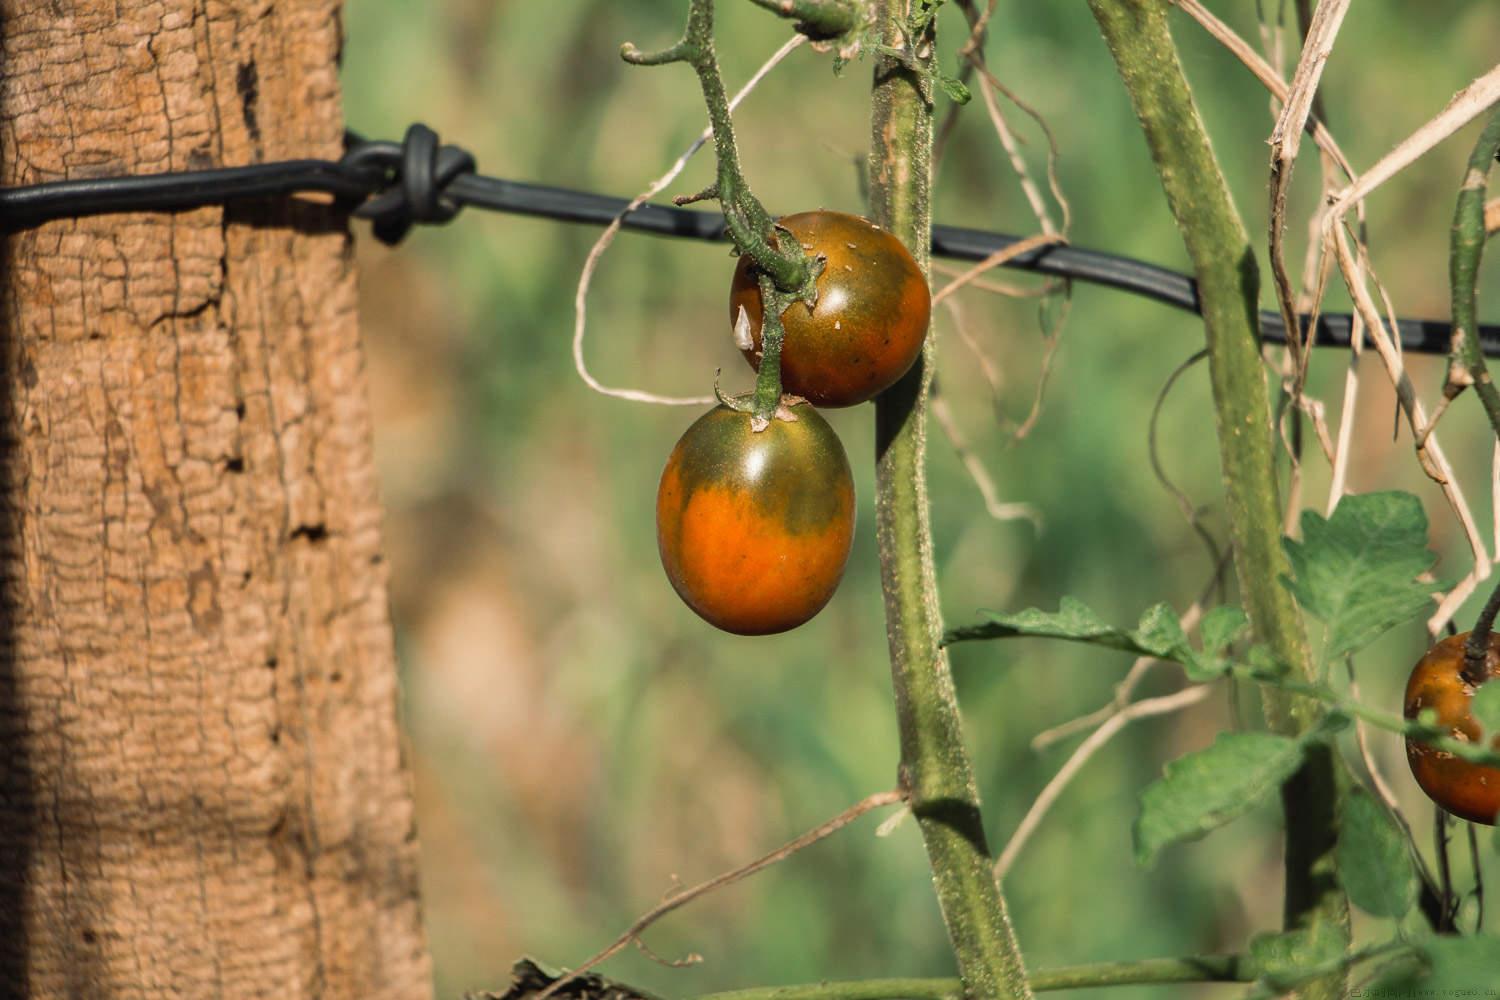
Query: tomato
x,y
869,321
755,529
1471,791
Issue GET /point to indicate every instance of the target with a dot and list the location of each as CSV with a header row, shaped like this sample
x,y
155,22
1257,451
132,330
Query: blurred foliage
x,y
580,739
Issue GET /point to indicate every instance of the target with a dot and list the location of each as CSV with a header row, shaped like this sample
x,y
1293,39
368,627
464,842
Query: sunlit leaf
x,y
1356,571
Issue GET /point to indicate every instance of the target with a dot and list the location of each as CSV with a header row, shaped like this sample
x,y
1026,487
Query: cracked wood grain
x,y
202,791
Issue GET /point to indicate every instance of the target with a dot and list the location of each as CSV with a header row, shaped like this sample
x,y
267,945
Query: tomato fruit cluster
x,y
1467,790
755,528
868,323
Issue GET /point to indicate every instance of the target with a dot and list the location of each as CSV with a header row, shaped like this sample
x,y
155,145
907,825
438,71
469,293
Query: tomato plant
x,y
1465,789
868,323
755,528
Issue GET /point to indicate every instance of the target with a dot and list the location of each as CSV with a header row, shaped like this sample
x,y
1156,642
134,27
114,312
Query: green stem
x,y
790,270
817,19
1198,969
1435,736
1465,252
1138,38
935,764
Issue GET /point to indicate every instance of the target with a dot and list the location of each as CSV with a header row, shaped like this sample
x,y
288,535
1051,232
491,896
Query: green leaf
x,y
1374,864
1220,627
1450,967
1218,630
1265,663
954,88
1355,571
1283,959
1073,620
1486,707
1206,789
1159,633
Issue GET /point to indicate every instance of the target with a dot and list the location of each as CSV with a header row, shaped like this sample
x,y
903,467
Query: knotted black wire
x,y
398,185
418,173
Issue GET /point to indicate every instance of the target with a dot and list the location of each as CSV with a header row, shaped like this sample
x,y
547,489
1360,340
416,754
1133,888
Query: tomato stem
x,y
768,373
935,764
817,19
1141,972
1466,247
1477,647
748,221
1139,39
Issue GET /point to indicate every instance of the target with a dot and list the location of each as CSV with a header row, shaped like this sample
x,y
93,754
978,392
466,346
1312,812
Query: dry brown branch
x,y
686,896
1429,453
1294,120
1053,184
993,505
987,366
1286,141
1013,152
1262,71
1052,338
1466,105
1492,216
1347,410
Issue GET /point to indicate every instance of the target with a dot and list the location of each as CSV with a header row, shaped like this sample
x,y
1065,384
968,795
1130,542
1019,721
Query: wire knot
x,y
417,174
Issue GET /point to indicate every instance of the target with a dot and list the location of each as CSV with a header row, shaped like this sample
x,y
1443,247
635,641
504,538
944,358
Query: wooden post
x,y
202,791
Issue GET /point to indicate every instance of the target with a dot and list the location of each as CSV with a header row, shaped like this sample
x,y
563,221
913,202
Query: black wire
x,y
398,184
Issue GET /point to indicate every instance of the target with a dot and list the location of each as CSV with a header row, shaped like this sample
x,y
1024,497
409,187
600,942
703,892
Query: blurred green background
x,y
580,740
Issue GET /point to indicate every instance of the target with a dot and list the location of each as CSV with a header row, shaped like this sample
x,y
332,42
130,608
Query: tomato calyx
x,y
744,402
1480,660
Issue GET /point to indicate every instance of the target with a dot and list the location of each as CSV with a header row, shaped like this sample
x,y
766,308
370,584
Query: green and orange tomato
x,y
868,323
754,528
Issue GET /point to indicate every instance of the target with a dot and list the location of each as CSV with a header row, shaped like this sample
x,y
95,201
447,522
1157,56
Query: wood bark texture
x,y
202,790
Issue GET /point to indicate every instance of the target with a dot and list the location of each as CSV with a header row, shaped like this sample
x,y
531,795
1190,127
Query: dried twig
x,y
1286,140
1086,750
993,505
681,899
1465,106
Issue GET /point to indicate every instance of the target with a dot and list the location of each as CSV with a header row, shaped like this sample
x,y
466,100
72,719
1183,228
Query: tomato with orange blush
x,y
754,529
868,323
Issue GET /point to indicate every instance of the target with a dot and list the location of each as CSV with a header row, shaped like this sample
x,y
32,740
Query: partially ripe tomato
x,y
869,321
1471,791
755,529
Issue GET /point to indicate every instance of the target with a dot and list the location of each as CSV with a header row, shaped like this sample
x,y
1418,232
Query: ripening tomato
x,y
755,528
1471,791
869,321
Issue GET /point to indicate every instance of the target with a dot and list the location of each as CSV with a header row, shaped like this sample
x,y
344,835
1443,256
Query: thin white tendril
x,y
580,307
